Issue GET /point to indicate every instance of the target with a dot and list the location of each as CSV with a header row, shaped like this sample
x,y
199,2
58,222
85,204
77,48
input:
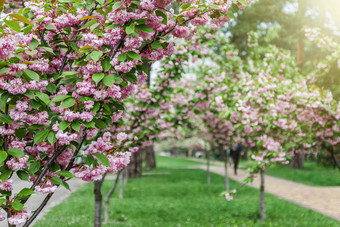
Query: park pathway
x,y
35,200
325,200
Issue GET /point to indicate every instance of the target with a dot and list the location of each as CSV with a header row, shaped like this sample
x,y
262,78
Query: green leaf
x,y
144,28
43,97
161,14
89,124
4,70
243,2
76,126
64,124
235,8
7,119
101,2
118,78
3,156
31,74
100,124
48,49
134,55
74,46
27,29
117,5
16,152
69,73
21,18
2,201
130,29
23,175
56,180
230,15
97,77
155,45
51,88
106,65
41,136
102,159
2,3
34,44
65,173
185,6
122,57
96,55
66,185
13,25
60,98
109,80
25,192
34,166
131,77
17,205
51,138
5,174
67,103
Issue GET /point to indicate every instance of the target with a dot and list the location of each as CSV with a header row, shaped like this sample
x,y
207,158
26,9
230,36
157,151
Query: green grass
x,y
181,198
171,162
311,174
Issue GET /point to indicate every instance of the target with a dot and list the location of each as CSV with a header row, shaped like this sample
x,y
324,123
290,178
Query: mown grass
x,y
181,198
312,174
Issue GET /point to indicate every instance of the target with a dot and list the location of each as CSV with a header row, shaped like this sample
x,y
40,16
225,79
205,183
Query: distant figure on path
x,y
235,154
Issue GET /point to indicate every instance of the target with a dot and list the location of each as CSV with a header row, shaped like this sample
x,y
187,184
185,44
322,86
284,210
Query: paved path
x,y
325,200
36,199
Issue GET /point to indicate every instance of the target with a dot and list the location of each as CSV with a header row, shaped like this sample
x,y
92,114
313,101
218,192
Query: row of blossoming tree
x,y
67,69
265,105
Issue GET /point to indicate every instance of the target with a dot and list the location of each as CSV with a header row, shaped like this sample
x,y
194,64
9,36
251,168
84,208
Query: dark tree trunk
x,y
226,160
98,203
208,166
335,158
150,157
297,161
134,169
262,205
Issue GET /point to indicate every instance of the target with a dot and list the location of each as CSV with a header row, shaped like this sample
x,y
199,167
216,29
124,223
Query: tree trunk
x,y
134,169
122,182
297,161
335,158
108,196
98,203
226,160
262,205
150,157
208,166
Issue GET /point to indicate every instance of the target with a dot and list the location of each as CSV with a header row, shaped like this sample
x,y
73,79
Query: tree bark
x,y
208,166
297,161
108,196
150,157
262,205
98,202
337,162
226,160
134,169
122,183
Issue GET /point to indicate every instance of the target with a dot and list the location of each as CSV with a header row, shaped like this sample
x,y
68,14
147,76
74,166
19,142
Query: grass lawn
x,y
181,198
311,174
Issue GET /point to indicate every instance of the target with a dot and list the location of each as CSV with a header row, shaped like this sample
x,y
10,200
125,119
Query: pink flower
x,y
121,136
7,185
20,217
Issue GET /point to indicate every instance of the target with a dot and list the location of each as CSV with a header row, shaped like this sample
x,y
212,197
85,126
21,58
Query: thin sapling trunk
x,y
108,196
262,205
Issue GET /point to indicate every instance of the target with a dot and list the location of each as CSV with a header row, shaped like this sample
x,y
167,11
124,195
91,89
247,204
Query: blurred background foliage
x,y
289,18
